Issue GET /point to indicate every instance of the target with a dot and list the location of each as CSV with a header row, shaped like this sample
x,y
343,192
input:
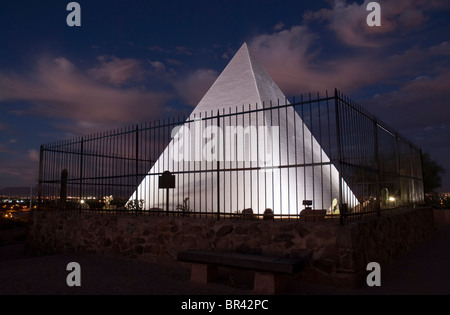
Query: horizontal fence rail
x,y
318,157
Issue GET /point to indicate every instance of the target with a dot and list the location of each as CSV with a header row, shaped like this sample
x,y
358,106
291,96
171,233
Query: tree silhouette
x,y
432,173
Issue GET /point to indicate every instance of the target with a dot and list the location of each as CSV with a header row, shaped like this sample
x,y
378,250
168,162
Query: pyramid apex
x,y
244,81
244,46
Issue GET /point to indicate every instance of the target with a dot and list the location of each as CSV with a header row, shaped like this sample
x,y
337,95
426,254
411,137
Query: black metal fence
x,y
323,153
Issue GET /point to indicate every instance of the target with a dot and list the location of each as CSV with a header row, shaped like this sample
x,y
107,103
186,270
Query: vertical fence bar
x,y
80,192
288,169
303,146
236,159
194,142
321,150
251,158
312,151
257,158
378,169
137,166
397,168
265,152
41,165
218,165
339,154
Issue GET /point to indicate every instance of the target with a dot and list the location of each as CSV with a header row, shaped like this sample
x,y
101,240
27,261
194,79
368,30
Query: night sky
x,y
137,61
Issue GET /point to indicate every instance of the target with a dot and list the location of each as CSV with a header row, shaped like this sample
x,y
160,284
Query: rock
x,y
344,238
107,242
324,265
323,234
302,231
224,230
139,249
268,214
247,214
283,237
241,230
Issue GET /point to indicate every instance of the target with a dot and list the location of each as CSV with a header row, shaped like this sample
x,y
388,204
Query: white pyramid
x,y
256,152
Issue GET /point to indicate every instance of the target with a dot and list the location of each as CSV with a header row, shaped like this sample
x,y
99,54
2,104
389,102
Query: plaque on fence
x,y
166,180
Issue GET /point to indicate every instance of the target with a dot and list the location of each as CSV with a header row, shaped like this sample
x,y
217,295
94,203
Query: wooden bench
x,y
270,272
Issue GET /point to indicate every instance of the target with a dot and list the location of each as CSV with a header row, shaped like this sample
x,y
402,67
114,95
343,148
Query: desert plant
x,y
135,204
184,207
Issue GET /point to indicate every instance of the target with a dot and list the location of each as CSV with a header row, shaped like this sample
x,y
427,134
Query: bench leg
x,y
269,283
202,273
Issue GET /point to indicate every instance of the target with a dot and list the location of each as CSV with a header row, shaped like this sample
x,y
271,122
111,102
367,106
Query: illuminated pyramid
x,y
245,157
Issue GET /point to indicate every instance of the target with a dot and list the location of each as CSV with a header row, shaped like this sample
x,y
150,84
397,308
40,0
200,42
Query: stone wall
x,y
338,255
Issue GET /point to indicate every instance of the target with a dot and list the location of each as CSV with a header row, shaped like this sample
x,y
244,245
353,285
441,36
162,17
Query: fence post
x,y
137,168
63,190
81,174
339,155
378,168
422,193
41,164
218,167
398,195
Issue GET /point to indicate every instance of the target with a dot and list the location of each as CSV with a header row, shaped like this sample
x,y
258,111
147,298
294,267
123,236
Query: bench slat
x,y
244,261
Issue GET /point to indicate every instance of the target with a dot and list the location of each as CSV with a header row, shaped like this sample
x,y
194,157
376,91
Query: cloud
x,y
156,48
112,93
194,85
33,155
5,149
441,49
348,20
293,60
115,71
279,26
299,61
182,50
19,172
101,95
420,103
288,56
158,66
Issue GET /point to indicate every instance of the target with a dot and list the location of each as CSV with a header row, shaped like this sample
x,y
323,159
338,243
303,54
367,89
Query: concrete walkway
x,y
424,270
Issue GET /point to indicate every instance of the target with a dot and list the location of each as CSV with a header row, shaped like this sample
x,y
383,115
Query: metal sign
x,y
166,180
